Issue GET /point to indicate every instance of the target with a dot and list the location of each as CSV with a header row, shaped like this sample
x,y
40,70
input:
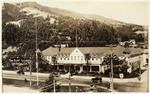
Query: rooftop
x,y
91,50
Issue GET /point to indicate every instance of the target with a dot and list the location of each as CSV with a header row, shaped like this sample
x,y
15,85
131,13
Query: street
x,y
120,85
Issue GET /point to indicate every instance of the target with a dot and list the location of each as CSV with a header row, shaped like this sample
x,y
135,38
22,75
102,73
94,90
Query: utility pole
x,y
37,56
30,73
54,82
69,80
54,61
76,40
112,84
2,82
139,64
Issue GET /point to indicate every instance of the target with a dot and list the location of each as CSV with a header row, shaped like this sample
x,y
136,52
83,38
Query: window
x,y
78,57
68,58
71,57
81,58
74,57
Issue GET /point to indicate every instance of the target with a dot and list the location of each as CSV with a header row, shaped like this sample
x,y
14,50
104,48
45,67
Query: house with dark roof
x,y
76,56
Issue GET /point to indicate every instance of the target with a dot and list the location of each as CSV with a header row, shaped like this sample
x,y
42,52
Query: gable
x,y
77,57
76,52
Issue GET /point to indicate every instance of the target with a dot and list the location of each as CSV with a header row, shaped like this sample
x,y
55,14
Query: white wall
x,y
77,57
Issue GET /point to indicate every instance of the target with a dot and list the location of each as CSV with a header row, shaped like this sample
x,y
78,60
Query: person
x,y
25,80
101,79
77,89
91,87
121,75
108,85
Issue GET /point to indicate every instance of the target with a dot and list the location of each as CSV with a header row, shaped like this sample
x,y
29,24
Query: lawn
x,y
22,83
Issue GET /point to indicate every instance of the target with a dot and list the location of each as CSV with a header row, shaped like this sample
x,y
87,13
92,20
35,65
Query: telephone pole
x,y
76,39
112,83
69,80
30,73
37,57
54,83
139,64
54,61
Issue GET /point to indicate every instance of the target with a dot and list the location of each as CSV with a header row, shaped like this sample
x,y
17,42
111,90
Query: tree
x,y
54,62
119,66
43,63
87,58
12,35
139,38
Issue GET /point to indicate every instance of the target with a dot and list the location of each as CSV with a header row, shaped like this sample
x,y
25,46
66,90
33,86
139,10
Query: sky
x,y
131,12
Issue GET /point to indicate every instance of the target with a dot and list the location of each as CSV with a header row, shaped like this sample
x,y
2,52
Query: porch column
x,y
99,68
103,70
64,67
57,67
74,67
81,68
90,68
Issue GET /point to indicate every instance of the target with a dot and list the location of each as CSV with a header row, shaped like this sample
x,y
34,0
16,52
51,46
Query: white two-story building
x,y
76,56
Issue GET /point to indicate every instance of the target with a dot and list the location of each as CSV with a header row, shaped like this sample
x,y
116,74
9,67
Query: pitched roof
x,y
118,50
100,51
50,51
136,51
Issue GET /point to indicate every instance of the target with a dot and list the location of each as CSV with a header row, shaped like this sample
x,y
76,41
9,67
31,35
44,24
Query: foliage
x,y
90,32
119,66
87,58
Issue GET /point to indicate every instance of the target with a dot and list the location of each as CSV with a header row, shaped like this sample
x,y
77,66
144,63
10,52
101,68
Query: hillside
x,y
55,26
34,7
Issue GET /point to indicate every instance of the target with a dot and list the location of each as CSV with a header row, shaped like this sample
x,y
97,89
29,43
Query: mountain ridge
x,y
73,14
70,13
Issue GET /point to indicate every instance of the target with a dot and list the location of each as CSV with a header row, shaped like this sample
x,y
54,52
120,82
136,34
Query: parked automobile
x,y
57,74
20,72
74,73
97,80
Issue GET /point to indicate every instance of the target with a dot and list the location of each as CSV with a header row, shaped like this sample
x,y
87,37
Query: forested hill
x,y
58,26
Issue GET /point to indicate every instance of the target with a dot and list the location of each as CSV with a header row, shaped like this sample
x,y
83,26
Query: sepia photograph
x,y
74,46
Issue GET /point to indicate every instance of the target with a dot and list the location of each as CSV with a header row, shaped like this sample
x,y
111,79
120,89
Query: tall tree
x,y
87,58
119,66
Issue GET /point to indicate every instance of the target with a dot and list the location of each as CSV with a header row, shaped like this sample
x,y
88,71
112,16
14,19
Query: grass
x,y
80,89
22,83
127,87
